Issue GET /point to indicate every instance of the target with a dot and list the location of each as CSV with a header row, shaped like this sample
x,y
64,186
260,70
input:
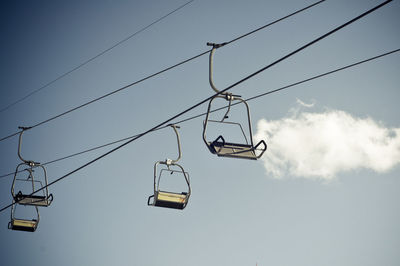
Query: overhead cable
x,y
269,24
220,108
202,102
155,74
93,58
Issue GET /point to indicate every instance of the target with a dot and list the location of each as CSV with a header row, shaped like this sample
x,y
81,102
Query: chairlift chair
x,y
23,198
219,146
168,199
19,224
27,199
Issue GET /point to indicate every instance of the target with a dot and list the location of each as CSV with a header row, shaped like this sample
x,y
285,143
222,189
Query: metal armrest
x,y
263,150
220,137
50,198
148,200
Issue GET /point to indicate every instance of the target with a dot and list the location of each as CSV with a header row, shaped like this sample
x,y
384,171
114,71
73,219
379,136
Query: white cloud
x,y
308,105
321,145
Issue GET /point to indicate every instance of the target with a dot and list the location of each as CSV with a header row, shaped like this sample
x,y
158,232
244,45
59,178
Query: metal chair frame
x,y
165,198
27,199
219,146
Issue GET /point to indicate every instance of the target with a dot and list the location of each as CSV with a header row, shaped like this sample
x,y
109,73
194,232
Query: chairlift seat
x,y
234,150
33,200
170,200
23,225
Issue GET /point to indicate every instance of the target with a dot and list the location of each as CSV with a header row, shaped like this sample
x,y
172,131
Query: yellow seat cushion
x,y
171,197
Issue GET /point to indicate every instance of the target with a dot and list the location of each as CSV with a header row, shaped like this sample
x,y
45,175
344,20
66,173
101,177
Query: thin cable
x,y
108,94
152,75
94,57
322,75
269,24
220,108
200,103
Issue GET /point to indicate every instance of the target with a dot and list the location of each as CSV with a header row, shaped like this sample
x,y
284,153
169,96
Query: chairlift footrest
x,y
33,200
233,150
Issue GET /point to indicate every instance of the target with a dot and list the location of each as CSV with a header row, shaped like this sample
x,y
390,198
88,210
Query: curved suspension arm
x,y
228,96
175,127
31,163
19,147
211,69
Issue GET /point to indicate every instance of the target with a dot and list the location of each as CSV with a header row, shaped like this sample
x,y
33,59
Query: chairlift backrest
x,y
26,186
23,196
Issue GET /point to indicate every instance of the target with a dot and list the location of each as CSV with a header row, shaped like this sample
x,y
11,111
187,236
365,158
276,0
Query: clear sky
x,y
326,192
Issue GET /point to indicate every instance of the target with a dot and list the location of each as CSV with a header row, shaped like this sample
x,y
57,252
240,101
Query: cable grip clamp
x,y
216,45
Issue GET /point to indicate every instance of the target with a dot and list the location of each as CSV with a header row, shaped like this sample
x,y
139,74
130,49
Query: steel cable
x,y
93,58
220,108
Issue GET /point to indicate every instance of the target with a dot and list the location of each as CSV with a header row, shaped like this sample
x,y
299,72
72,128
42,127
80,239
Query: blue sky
x,y
324,193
